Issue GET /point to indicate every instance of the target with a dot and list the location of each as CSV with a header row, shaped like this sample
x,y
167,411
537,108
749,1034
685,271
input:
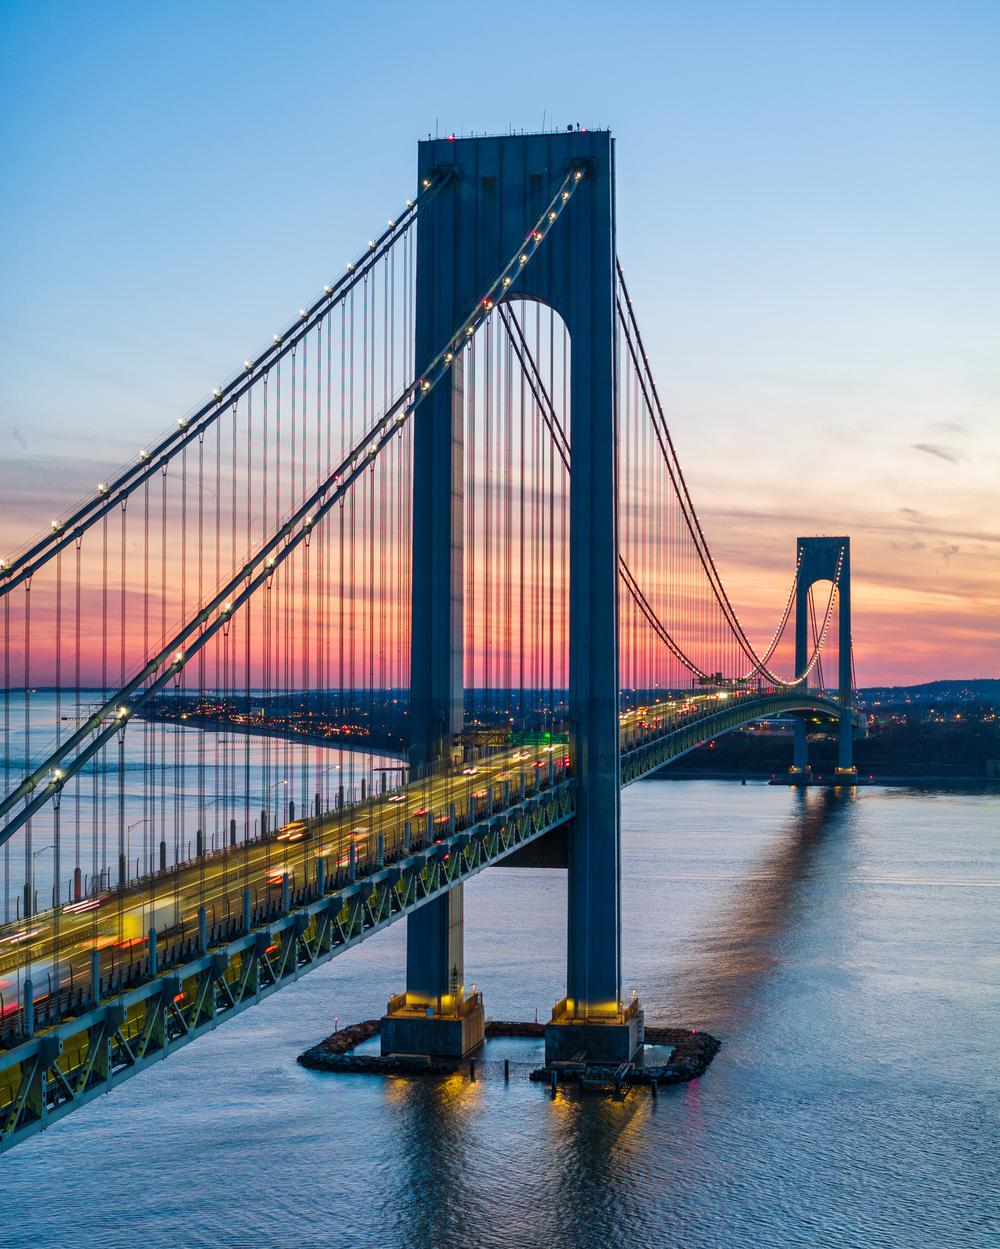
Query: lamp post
x,y
203,807
333,767
123,859
29,912
275,786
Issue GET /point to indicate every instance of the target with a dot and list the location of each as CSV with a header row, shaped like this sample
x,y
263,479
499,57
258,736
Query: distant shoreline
x,y
938,782
666,773
365,745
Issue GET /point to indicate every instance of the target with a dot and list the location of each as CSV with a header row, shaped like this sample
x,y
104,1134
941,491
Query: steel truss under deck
x,y
48,1076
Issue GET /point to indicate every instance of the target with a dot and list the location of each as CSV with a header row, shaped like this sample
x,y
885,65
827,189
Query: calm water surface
x,y
843,948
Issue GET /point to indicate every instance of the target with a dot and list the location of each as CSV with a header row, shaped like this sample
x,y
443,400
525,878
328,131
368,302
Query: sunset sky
x,y
809,218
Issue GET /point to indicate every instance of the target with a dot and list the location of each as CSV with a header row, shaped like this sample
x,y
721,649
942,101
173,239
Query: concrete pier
x,y
615,1037
451,1029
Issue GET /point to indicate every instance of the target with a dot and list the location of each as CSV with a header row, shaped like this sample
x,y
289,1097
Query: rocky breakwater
x,y
689,1058
333,1053
513,1027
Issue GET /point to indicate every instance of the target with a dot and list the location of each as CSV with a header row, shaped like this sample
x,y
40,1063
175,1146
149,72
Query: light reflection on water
x,y
843,948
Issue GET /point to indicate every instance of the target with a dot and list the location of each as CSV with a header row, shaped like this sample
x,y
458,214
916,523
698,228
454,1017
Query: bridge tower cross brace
x,y
498,187
818,560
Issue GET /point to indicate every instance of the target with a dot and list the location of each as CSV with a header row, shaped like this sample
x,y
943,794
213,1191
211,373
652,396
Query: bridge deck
x,y
236,925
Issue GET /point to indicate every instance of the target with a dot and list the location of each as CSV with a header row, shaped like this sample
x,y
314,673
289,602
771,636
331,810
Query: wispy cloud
x,y
949,454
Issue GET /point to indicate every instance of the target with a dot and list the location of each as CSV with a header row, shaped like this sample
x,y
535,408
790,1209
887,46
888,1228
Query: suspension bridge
x,y
413,592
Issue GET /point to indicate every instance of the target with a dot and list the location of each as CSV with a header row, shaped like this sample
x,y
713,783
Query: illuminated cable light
x,y
56,526
371,245
425,385
391,224
102,488
248,365
536,235
121,713
302,314
350,267
328,290
552,216
523,259
276,339
427,182
217,393
565,195
507,281
144,455
578,175
448,357
470,330
409,203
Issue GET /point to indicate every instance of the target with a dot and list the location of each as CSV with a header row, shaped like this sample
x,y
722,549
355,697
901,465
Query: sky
x,y
808,215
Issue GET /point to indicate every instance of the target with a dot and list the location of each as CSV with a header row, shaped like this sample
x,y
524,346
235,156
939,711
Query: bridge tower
x,y
497,189
825,559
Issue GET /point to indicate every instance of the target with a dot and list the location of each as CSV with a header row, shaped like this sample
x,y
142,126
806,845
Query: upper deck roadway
x,y
236,925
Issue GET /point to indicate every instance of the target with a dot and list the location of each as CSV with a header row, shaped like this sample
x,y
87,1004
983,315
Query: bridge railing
x,y
305,859
648,723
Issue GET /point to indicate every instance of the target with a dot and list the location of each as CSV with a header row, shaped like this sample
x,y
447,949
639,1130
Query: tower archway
x,y
826,559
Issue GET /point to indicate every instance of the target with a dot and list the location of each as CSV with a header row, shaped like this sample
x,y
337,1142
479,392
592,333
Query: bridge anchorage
x,y
413,593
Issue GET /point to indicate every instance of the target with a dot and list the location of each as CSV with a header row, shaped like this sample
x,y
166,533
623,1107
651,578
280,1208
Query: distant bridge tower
x,y
498,188
825,559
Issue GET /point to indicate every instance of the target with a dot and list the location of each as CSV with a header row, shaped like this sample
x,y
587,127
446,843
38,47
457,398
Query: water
x,y
843,948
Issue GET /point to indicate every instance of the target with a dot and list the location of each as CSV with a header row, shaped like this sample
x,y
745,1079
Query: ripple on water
x,y
844,949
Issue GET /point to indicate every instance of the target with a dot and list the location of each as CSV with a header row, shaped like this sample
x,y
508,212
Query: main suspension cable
x,y
759,664
112,493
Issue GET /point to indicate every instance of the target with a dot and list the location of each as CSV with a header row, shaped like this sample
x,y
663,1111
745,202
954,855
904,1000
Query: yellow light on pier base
x,y
611,1012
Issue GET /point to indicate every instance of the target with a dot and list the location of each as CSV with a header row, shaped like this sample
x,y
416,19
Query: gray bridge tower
x,y
825,559
498,188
